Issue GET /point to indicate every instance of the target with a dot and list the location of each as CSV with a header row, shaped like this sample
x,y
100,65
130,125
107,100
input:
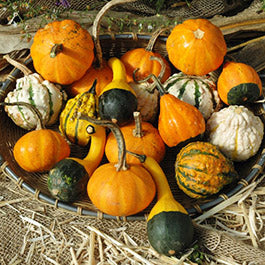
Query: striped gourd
x,y
70,126
198,91
202,170
42,94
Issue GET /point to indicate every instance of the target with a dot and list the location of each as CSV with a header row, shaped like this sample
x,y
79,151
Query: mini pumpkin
x,y
41,149
238,84
140,58
47,97
120,189
196,47
62,51
202,169
236,131
141,138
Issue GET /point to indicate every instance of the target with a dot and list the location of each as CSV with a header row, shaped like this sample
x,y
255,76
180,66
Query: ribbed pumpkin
x,y
71,126
41,149
238,83
117,188
196,47
141,138
202,170
140,58
62,51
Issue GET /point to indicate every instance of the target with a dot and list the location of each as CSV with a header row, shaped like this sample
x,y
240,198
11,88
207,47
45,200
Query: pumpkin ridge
x,y
197,94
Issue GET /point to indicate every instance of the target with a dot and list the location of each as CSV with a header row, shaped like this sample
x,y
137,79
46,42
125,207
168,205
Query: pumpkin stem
x,y
153,38
25,70
121,165
56,48
198,34
138,130
35,111
96,24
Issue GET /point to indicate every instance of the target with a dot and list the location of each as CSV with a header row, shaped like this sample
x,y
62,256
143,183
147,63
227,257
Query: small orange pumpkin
x,y
141,138
41,149
62,51
120,189
140,58
196,47
238,84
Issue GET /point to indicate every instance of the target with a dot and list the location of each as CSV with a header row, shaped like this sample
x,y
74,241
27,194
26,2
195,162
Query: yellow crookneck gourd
x,y
169,227
117,101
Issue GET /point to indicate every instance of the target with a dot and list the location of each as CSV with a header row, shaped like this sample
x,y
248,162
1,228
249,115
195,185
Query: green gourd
x,y
169,227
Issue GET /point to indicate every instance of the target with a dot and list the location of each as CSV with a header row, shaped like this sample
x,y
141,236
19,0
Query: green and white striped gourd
x,y
236,131
42,94
199,91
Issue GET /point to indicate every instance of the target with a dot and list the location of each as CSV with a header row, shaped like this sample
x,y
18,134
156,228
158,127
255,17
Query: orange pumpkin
x,y
196,47
140,58
141,138
120,189
103,74
39,150
62,51
238,84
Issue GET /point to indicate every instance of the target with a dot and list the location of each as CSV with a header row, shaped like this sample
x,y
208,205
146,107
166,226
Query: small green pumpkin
x,y
67,180
202,170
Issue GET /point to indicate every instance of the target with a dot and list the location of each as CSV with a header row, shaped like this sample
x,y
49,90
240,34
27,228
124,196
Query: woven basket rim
x,y
197,209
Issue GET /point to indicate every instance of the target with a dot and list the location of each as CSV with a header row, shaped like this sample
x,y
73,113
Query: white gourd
x,y
44,95
199,91
236,131
147,100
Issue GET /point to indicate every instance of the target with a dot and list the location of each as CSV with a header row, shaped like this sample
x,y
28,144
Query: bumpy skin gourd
x,y
202,170
71,126
236,131
117,101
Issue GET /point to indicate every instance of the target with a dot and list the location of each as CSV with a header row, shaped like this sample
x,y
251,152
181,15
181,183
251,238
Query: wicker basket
x,y
36,183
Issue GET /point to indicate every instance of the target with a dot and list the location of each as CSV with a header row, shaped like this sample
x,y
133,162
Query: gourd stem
x,y
121,165
18,65
163,188
56,48
138,130
96,24
153,39
34,110
156,80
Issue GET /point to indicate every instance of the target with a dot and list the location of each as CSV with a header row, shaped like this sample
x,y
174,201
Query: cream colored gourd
x,y
42,94
236,131
198,91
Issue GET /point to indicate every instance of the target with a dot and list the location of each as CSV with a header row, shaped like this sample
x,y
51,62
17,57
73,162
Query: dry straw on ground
x,y
35,233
